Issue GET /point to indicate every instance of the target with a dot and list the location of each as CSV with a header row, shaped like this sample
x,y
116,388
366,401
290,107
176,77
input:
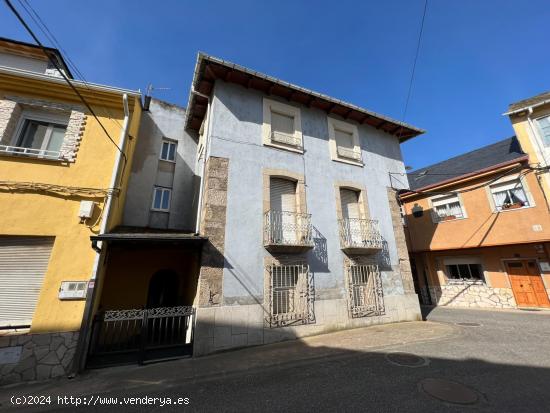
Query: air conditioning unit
x,y
86,209
73,290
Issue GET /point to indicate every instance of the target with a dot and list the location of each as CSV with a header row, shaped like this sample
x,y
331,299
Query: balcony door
x,y
283,210
351,215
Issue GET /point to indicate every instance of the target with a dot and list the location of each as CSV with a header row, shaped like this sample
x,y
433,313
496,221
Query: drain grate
x,y
468,324
449,391
406,359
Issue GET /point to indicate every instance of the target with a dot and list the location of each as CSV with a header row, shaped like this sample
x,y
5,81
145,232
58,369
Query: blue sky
x,y
476,56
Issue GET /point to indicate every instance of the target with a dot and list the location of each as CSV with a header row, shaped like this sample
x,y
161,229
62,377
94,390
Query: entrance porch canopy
x,y
137,235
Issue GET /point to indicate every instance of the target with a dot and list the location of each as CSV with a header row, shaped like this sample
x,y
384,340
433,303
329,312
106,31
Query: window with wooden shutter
x,y
23,264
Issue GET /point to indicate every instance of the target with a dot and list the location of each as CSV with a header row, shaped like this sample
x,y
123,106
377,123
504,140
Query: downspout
x,y
79,361
203,168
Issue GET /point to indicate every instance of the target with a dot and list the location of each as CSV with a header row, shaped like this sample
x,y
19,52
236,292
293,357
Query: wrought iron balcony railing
x,y
288,230
348,153
360,235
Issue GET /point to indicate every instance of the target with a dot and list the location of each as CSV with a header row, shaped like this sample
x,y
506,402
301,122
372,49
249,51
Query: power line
x,y
54,63
414,66
41,24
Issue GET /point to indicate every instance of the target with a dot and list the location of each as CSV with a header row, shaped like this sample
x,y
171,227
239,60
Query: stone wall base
x,y
225,327
473,295
35,357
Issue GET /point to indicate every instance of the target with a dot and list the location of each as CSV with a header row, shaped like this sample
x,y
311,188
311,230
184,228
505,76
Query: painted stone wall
x,y
212,225
223,328
30,357
472,295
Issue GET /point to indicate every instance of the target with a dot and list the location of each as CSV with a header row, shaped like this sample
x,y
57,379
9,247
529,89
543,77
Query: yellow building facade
x,y
62,180
530,119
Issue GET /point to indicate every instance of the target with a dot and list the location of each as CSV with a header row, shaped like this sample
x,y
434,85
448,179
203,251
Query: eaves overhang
x,y
464,178
208,69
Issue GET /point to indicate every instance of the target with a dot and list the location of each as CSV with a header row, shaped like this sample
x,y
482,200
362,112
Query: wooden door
x,y
527,284
537,284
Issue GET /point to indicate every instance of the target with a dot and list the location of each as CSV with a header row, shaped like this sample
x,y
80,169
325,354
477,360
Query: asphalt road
x,y
504,362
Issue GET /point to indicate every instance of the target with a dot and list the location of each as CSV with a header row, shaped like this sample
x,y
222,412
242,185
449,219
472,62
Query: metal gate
x,y
139,336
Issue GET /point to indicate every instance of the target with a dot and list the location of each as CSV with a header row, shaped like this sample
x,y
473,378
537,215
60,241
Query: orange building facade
x,y
478,230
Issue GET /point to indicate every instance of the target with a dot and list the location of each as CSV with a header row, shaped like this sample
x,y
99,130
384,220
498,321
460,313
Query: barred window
x,y
289,294
365,294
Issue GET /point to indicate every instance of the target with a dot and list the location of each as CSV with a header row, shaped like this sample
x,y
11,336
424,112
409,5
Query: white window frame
x,y
270,106
38,116
336,124
162,190
436,218
510,179
170,143
539,130
464,260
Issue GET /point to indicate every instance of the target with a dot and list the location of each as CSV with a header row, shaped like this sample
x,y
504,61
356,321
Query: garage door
x,y
23,263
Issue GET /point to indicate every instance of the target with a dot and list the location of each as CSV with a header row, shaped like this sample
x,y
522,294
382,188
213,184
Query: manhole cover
x,y
406,359
449,391
468,324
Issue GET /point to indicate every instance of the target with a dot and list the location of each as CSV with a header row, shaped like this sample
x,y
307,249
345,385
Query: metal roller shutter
x,y
23,263
350,203
283,195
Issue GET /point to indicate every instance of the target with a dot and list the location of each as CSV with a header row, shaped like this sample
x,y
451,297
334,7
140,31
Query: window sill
x,y
513,209
465,282
166,211
349,161
166,160
290,148
443,221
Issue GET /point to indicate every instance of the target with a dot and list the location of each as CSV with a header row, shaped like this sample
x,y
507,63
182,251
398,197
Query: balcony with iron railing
x,y
287,231
360,236
30,152
348,153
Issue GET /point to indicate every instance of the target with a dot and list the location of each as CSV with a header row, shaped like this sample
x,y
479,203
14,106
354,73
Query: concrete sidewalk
x,y
340,344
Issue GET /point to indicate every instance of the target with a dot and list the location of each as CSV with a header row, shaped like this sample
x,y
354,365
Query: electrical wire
x,y
54,63
411,81
18,186
48,33
509,172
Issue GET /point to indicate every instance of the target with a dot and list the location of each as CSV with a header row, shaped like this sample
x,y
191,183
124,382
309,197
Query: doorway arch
x,y
163,289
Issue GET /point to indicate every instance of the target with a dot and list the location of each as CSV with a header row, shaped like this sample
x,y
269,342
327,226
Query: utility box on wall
x,y
73,290
86,209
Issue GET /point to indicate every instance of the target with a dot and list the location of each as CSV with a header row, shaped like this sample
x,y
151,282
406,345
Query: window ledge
x,y
466,282
166,211
443,221
513,209
290,148
349,161
166,160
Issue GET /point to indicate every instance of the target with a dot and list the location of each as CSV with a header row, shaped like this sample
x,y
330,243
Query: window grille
x,y
365,295
289,294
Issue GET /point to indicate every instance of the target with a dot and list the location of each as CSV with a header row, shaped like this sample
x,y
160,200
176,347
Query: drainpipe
x,y
206,154
85,329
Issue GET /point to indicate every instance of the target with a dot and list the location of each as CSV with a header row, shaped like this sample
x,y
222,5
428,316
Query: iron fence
x,y
140,335
360,233
288,228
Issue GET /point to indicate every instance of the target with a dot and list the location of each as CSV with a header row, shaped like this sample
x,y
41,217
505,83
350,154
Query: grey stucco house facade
x,y
304,229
